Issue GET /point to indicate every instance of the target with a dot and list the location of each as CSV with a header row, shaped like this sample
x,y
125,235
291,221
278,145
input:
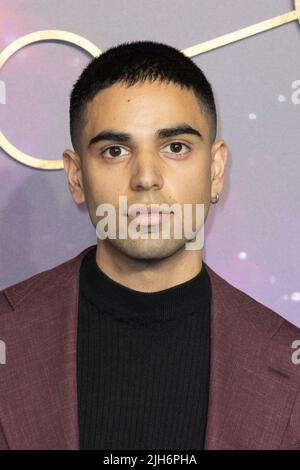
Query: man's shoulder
x,y
234,303
50,279
241,307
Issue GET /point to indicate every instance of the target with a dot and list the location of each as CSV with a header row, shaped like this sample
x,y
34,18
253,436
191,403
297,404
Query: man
x,y
136,343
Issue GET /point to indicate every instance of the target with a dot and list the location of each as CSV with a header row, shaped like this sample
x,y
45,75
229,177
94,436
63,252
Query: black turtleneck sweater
x,y
142,363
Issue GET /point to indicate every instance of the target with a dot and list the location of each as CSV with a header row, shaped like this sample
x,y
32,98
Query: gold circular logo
x,y
297,9
93,50
46,35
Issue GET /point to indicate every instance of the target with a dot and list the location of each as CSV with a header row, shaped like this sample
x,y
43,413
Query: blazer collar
x,y
253,382
38,389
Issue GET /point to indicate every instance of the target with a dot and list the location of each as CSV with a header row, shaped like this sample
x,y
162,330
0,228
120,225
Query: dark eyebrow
x,y
177,130
124,137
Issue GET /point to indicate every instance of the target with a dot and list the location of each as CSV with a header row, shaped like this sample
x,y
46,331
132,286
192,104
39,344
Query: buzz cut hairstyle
x,y
133,62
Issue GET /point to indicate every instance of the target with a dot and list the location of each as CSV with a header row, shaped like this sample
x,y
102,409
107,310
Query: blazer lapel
x,y
253,380
38,382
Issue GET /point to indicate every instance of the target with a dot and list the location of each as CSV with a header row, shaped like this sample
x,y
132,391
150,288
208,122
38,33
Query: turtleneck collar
x,y
128,304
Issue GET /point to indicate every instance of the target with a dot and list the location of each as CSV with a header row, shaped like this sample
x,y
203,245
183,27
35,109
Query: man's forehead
x,y
122,93
127,109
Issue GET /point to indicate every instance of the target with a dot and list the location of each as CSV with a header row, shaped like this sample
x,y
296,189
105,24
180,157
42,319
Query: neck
x,y
148,275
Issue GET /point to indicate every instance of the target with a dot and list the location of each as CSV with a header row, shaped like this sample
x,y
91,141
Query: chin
x,y
149,249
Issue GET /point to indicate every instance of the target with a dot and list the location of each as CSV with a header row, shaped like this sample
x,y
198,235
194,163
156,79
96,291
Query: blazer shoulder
x,y
254,313
13,295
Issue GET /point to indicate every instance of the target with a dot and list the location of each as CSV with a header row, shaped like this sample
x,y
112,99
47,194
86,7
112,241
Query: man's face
x,y
147,168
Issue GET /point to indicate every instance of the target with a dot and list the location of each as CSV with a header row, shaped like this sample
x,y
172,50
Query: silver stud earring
x,y
214,199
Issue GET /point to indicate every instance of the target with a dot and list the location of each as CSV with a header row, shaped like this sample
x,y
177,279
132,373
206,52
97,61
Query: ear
x,y
219,155
72,167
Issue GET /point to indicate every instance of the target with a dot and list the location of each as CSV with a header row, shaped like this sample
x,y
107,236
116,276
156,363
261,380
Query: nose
x,y
146,173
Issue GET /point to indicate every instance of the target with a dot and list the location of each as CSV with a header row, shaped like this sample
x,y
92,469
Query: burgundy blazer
x,y
254,399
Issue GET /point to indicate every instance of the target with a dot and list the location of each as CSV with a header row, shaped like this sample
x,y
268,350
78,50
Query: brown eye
x,y
176,147
113,151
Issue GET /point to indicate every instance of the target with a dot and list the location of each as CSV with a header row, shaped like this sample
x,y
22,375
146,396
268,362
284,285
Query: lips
x,y
149,219
147,215
146,211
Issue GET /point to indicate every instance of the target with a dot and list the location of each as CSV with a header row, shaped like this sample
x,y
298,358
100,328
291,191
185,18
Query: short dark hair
x,y
133,62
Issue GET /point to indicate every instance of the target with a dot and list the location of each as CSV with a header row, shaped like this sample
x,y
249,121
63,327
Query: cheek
x,y
93,187
101,187
194,185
